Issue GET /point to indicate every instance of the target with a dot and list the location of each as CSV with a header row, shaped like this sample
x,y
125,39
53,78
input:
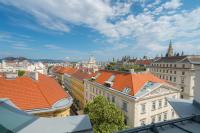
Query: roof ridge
x,y
132,83
42,93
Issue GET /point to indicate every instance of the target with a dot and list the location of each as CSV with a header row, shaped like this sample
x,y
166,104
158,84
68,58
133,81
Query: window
x,y
165,104
182,89
108,97
174,79
173,113
143,108
183,65
113,99
174,65
153,119
143,122
159,117
160,104
164,71
183,73
167,71
170,78
170,71
125,120
153,105
174,72
170,65
165,116
167,65
182,79
124,106
181,96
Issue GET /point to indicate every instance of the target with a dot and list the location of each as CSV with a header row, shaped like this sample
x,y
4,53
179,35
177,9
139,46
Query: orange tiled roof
x,y
143,62
68,70
127,80
79,74
29,94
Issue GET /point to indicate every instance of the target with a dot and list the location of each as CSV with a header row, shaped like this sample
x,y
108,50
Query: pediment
x,y
159,91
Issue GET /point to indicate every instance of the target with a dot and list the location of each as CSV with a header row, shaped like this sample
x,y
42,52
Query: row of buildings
x,y
141,96
13,65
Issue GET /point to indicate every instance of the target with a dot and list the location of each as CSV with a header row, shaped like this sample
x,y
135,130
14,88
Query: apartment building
x,y
178,70
74,82
36,94
141,96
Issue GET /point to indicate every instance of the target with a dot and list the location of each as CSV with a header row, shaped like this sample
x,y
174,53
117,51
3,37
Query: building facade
x,y
74,83
141,96
178,70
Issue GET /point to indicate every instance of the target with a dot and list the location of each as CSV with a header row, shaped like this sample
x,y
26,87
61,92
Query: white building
x,y
141,96
90,64
37,67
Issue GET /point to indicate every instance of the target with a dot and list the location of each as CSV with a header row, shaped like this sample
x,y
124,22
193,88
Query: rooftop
x,y
182,125
184,59
29,94
14,120
132,81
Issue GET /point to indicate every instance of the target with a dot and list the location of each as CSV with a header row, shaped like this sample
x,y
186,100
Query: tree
x,y
105,116
21,73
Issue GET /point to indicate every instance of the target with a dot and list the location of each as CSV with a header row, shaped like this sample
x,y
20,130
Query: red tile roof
x,y
30,94
79,74
68,70
127,80
143,62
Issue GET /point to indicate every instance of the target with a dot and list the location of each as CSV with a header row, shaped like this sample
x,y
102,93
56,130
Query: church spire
x,y
170,50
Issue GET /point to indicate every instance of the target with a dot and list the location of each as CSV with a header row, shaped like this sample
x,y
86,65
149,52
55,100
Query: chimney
x,y
131,71
34,75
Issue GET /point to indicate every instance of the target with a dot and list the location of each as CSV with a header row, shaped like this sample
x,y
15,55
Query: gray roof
x,y
193,59
184,108
15,120
182,125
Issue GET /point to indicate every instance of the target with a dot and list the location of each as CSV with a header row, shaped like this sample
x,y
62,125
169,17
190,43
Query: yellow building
x,y
75,84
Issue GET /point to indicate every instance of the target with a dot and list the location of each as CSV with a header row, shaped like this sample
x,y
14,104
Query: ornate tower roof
x,y
170,50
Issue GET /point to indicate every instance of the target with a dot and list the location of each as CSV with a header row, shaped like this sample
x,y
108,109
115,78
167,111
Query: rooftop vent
x,y
34,75
108,83
126,90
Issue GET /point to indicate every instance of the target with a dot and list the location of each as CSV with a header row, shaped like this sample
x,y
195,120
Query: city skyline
x,y
74,30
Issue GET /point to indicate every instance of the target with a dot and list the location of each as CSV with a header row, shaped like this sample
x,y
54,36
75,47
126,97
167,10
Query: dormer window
x,y
126,90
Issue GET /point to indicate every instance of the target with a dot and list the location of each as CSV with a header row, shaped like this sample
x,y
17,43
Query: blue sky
x,y
76,29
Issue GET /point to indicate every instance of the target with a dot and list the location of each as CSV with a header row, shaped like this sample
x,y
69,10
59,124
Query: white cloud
x,y
150,30
51,46
173,4
21,46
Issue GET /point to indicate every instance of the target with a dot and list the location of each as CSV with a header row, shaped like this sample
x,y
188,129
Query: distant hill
x,y
15,58
32,60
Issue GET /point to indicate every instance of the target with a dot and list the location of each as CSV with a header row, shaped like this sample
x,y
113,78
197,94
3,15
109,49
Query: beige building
x,y
141,96
177,70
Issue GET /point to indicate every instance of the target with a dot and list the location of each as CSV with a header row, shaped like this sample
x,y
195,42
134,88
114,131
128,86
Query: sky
x,y
76,29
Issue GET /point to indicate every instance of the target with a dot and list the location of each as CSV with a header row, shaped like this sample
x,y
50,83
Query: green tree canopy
x,y
21,73
105,116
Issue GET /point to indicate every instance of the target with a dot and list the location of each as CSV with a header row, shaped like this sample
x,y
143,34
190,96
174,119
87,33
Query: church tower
x,y
170,50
